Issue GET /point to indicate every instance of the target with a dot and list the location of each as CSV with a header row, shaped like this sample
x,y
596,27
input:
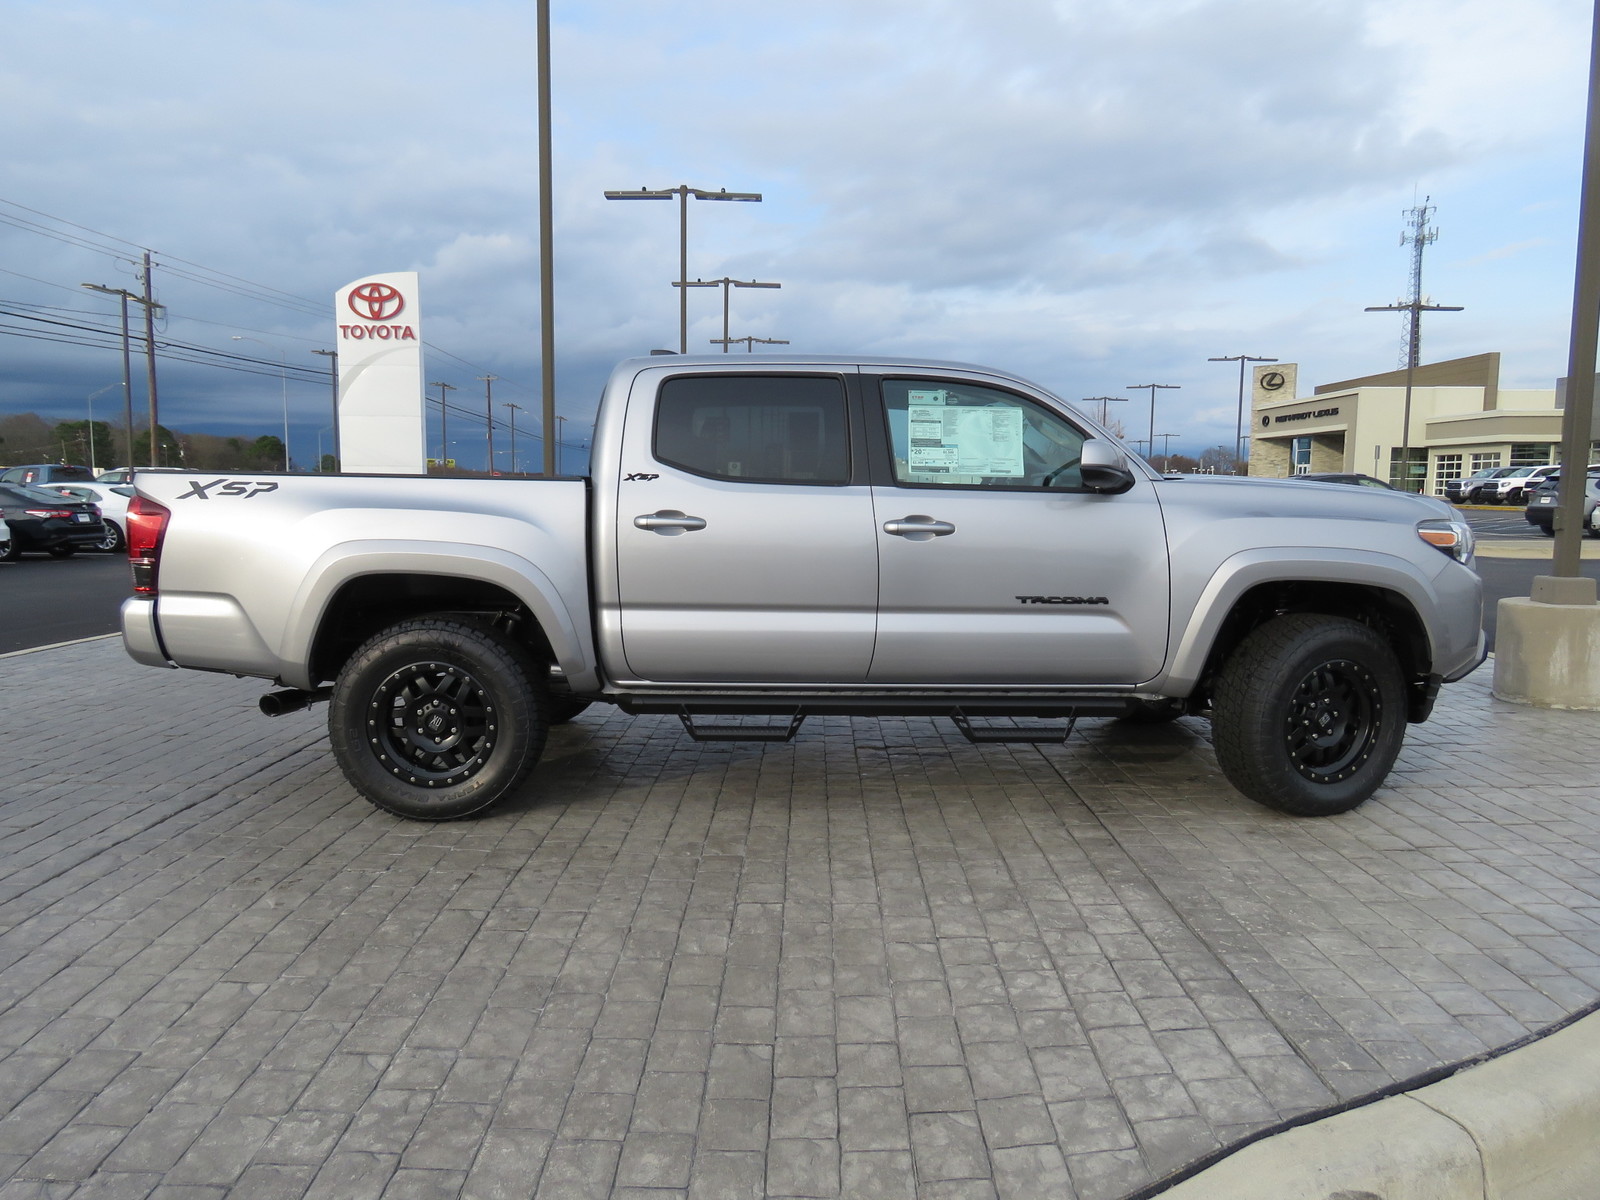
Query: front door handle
x,y
669,522
918,528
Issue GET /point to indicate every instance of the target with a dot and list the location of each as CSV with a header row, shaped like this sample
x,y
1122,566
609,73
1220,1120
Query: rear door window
x,y
755,428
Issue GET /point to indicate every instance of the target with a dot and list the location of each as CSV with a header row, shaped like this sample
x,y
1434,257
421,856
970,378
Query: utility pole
x,y
561,431
127,364
515,409
1139,387
1417,235
333,366
488,415
683,191
444,402
150,359
1238,429
749,343
1103,401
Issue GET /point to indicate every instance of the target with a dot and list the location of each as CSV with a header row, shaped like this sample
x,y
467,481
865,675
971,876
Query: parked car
x,y
37,473
48,521
1517,484
1470,489
1541,510
1356,479
119,475
112,503
1338,477
5,541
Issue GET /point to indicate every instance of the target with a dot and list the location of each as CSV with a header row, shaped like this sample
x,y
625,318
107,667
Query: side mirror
x,y
1104,468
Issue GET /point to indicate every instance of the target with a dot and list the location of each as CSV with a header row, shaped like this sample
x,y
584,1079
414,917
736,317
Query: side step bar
x,y
741,733
976,734
980,735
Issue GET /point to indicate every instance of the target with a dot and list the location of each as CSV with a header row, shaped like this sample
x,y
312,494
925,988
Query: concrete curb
x,y
1523,1126
1526,548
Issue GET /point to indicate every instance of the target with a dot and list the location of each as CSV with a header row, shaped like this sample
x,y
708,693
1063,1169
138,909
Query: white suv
x,y
1518,484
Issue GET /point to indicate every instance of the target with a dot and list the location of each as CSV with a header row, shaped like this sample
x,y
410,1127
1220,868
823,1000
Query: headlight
x,y
1448,537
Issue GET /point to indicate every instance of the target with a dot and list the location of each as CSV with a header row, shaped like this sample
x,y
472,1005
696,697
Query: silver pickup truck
x,y
793,536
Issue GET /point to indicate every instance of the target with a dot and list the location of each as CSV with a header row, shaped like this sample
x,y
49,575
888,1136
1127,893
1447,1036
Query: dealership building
x,y
1461,421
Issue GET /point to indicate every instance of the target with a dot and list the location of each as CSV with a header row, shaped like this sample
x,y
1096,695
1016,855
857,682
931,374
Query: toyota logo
x,y
376,301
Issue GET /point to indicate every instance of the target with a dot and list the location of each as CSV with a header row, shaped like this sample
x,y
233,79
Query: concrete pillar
x,y
1547,646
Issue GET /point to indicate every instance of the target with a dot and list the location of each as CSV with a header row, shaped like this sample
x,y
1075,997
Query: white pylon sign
x,y
381,415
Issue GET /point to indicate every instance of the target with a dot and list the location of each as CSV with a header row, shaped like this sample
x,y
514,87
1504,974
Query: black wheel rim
x,y
432,724
1333,722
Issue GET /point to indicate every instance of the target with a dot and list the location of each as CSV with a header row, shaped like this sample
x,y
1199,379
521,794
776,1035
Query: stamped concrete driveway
x,y
877,961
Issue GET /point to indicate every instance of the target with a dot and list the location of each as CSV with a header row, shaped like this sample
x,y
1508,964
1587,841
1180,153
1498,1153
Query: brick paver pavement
x,y
875,962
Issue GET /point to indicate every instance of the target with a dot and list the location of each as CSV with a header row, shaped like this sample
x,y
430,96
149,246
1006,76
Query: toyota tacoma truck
x,y
800,536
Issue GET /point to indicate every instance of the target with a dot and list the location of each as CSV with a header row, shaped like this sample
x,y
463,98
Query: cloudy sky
x,y
1093,193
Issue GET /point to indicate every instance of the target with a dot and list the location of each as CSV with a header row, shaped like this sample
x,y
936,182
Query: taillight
x,y
50,513
147,522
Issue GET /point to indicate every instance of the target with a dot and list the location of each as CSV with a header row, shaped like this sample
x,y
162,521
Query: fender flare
x,y
1239,573
568,633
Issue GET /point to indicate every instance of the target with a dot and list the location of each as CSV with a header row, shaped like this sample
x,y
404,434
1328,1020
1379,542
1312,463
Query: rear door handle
x,y
918,528
669,522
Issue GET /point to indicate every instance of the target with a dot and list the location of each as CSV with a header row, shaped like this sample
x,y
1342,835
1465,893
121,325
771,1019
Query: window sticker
x,y
952,439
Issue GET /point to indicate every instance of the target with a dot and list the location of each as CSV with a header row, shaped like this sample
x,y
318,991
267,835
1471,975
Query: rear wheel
x,y
437,718
113,540
1308,714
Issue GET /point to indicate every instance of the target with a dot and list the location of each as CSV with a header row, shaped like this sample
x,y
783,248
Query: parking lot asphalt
x,y
877,961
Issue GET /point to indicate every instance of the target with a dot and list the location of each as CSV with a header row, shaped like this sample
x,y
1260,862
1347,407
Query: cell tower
x,y
1418,233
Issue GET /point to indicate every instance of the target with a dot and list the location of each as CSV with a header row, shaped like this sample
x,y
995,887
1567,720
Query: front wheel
x,y
435,719
1308,714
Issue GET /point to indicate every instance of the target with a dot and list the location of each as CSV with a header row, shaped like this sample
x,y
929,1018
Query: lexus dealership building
x,y
1461,421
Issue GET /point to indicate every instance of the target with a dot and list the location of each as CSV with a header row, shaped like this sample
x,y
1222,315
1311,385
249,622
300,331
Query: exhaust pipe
x,y
276,704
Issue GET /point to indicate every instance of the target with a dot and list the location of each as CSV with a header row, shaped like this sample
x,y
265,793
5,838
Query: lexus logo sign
x,y
376,301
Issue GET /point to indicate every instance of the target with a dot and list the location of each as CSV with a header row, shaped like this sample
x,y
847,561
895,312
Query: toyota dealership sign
x,y
381,422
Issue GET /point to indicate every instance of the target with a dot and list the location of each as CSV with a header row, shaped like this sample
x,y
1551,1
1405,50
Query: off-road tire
x,y
1308,714
436,718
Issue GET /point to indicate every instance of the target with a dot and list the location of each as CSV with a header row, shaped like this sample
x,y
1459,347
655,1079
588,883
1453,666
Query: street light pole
x,y
1238,429
683,191
283,377
749,343
726,284
1139,387
1166,450
90,402
1103,401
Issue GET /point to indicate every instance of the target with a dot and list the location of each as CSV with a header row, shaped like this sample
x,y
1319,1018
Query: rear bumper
x,y
139,635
